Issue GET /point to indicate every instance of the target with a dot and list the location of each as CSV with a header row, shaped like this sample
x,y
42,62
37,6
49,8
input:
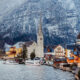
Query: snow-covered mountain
x,y
60,22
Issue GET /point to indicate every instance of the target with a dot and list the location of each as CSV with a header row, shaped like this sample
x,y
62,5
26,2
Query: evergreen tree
x,y
32,56
1,51
24,54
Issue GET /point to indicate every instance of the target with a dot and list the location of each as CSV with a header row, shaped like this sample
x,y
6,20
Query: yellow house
x,y
14,52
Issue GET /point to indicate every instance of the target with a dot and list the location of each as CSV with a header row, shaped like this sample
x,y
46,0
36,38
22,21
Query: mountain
x,y
60,22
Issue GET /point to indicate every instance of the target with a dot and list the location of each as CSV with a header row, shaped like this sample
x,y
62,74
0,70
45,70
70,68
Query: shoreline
x,y
68,70
65,69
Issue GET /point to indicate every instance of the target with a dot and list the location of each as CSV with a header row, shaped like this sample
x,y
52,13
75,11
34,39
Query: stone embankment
x,y
67,69
61,67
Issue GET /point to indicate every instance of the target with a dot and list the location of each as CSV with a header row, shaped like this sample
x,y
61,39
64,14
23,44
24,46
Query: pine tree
x,y
24,54
32,56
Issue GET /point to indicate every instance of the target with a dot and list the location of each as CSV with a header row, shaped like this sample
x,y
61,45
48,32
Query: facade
x,y
55,51
13,52
74,58
31,47
67,52
70,49
59,51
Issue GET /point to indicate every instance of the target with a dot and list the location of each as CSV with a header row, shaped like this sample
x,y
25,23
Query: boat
x,y
10,62
34,62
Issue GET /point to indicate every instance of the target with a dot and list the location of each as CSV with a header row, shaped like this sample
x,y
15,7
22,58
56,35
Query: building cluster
x,y
31,47
60,54
71,54
74,57
54,51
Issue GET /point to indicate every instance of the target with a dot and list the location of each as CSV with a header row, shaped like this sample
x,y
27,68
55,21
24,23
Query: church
x,y
31,46
36,47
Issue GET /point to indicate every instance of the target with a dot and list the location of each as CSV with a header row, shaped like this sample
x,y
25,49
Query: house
x,y
13,52
59,51
54,52
69,49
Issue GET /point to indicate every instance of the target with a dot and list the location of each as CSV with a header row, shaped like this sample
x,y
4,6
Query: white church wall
x,y
31,49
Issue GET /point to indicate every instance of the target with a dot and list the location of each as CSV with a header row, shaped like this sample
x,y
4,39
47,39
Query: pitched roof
x,y
29,43
58,45
50,48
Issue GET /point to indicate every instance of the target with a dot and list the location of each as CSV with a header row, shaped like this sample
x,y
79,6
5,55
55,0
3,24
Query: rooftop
x,y
29,43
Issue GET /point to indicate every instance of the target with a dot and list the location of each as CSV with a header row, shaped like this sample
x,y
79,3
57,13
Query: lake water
x,y
24,72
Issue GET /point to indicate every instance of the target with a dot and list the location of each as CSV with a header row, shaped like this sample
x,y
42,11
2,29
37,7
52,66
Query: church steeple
x,y
40,44
40,27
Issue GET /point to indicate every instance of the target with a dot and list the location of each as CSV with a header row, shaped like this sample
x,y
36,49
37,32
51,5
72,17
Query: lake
x,y
24,72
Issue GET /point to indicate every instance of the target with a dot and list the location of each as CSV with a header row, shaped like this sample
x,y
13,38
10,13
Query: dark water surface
x,y
24,72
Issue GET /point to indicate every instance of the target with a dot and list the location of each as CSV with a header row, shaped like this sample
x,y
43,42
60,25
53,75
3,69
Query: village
x,y
66,58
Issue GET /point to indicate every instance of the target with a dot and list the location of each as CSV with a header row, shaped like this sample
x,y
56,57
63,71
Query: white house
x,y
59,51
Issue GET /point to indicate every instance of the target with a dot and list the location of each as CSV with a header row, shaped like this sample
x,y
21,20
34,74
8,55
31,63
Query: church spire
x,y
40,25
40,43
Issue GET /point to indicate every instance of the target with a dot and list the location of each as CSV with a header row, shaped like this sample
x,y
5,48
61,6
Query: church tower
x,y
40,44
